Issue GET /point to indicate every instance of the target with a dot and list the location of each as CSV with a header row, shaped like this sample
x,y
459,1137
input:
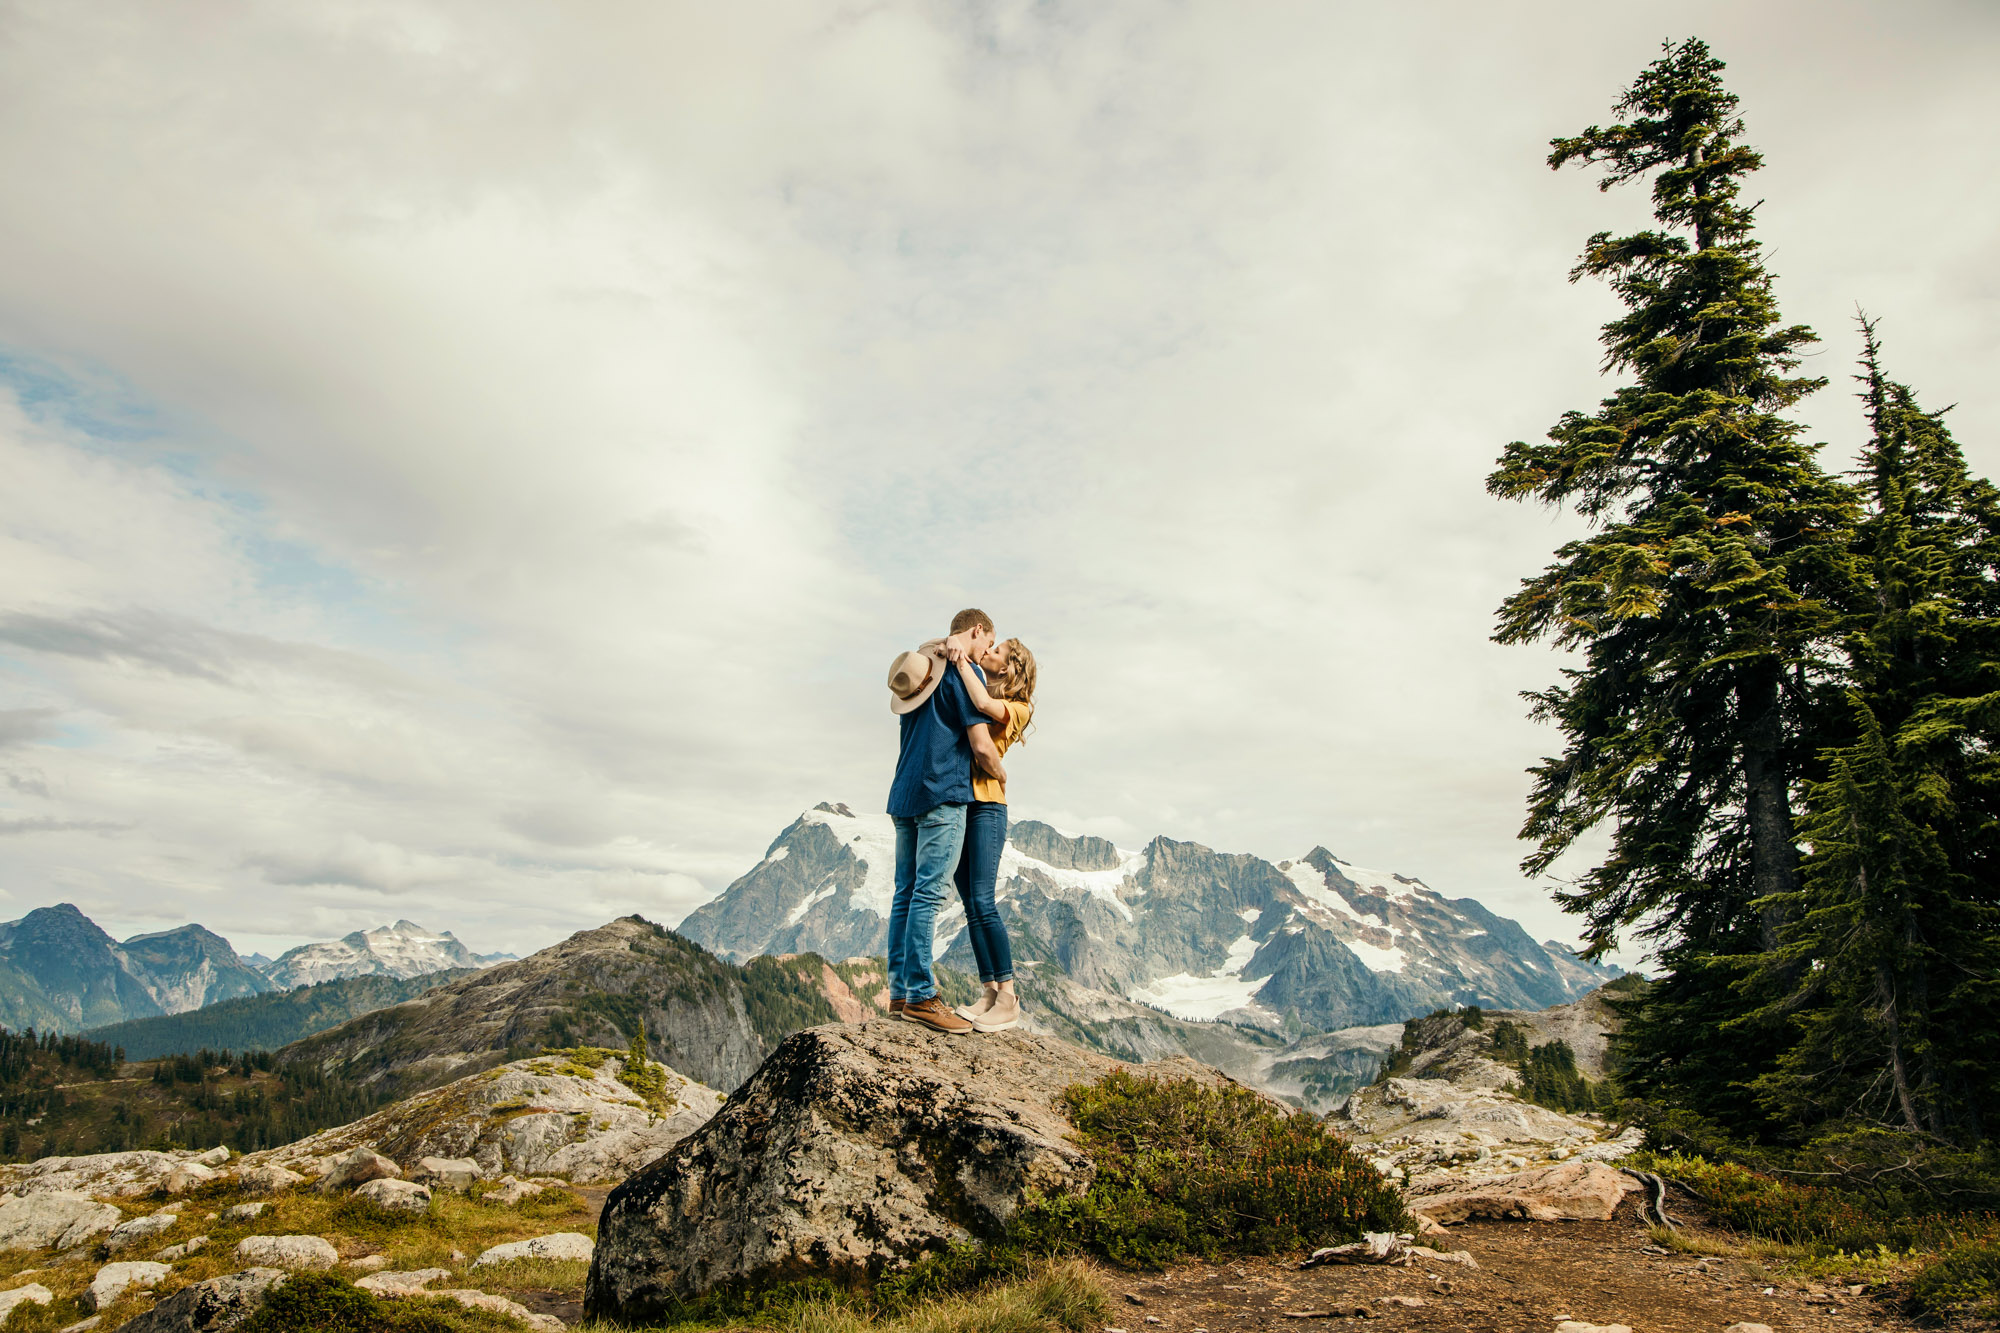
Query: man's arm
x,y
984,752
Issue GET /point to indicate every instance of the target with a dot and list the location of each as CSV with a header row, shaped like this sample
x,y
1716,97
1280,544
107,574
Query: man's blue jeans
x,y
927,849
978,873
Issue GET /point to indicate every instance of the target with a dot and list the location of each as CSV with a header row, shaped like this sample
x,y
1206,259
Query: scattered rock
x,y
560,1245
187,1176
454,1173
358,1167
266,1179
479,1300
32,1294
1408,1302
216,1156
397,1196
549,1115
114,1280
1135,1298
512,1191
291,1253
1572,1191
1578,1326
82,1325
118,1174
53,1219
214,1306
853,1149
385,1283
244,1212
369,1263
1747,1328
174,1253
127,1234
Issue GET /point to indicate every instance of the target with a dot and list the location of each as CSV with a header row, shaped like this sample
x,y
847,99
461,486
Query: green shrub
x,y
1963,1280
330,1303
1819,1217
1184,1169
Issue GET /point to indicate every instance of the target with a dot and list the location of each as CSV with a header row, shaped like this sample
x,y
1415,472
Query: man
x,y
942,736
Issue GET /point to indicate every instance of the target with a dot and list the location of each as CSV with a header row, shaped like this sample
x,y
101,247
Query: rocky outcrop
x,y
854,1149
214,1306
1567,1192
127,1234
397,1196
53,1220
563,1114
119,1174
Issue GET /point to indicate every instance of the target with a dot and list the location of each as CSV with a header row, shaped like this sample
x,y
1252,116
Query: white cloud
x,y
471,462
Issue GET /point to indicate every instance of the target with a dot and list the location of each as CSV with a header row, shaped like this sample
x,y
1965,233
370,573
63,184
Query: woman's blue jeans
x,y
977,875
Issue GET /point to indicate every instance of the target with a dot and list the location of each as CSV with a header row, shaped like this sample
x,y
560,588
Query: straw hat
x,y
914,675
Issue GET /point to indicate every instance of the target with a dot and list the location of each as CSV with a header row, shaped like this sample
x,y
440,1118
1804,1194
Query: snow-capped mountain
x,y
405,949
1313,944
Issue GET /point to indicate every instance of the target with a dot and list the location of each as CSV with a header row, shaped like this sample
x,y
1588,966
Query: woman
x,y
1007,696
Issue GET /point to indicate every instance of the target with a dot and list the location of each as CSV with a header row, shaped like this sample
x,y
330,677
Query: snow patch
x,y
1251,915
1376,958
1313,885
1111,886
1397,887
872,840
1205,998
798,914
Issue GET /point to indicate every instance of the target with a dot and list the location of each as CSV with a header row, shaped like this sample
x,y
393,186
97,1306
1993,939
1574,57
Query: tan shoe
x,y
933,1014
977,1009
1005,1013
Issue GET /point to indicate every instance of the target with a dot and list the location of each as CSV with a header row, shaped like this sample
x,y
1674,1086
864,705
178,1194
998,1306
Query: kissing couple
x,y
962,701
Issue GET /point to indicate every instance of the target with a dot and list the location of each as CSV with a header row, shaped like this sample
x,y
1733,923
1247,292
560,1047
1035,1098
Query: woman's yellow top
x,y
993,789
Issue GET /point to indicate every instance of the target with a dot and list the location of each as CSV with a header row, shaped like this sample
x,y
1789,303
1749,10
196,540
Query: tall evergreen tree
x,y
1891,963
1701,600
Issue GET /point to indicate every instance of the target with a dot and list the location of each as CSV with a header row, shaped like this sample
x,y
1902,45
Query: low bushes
x,y
1184,1169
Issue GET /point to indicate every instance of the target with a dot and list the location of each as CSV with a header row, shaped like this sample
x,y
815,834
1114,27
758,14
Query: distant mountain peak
x,y
1318,943
402,950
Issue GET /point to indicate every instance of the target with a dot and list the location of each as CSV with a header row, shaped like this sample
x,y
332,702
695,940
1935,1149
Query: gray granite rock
x,y
214,1306
853,1150
53,1220
114,1280
291,1253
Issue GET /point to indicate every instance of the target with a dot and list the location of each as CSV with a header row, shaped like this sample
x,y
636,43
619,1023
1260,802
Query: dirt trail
x,y
1530,1275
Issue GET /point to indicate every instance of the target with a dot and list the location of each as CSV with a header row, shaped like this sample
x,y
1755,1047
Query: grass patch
x,y
563,1275
1058,1296
1184,1169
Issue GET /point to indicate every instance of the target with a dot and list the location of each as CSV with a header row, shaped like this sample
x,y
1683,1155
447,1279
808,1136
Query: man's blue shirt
x,y
934,766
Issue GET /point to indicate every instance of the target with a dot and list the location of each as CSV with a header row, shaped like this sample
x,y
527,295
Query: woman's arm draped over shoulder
x,y
975,690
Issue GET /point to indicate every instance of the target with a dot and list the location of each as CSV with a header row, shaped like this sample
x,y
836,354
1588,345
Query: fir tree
x,y
1891,957
1701,602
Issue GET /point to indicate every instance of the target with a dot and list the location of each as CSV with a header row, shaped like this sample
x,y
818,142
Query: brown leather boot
x,y
933,1014
896,1007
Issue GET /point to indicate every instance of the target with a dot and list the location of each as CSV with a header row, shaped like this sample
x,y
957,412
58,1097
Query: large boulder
x,y
118,1174
53,1220
358,1166
397,1196
854,1149
127,1234
570,1245
214,1306
1569,1192
32,1294
562,1114
114,1280
291,1253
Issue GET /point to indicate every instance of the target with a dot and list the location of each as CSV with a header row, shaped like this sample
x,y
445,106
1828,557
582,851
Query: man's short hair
x,y
969,617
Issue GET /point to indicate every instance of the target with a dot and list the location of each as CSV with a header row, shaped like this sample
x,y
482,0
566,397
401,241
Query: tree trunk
x,y
1774,855
1885,989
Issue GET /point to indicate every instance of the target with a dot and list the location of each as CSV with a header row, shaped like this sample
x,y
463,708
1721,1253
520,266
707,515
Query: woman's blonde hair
x,y
1016,680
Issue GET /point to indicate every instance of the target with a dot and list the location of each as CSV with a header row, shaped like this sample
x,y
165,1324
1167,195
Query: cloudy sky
x,y
474,462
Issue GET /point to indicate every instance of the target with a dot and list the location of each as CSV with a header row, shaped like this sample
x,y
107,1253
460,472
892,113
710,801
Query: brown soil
x,y
1530,1275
